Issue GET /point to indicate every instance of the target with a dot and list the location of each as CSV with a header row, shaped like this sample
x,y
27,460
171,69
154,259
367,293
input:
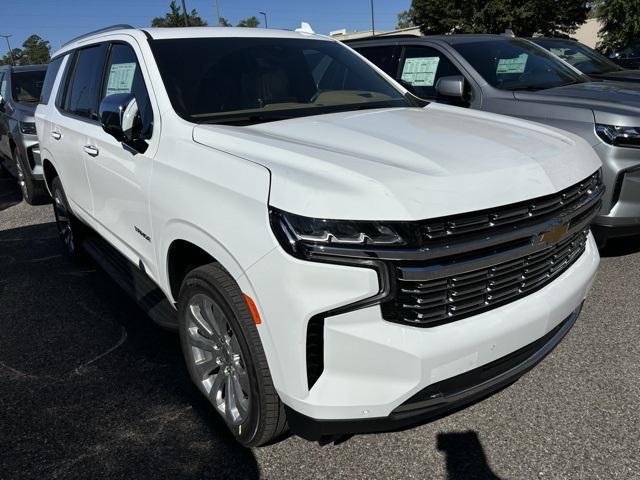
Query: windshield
x,y
513,64
26,86
580,56
242,81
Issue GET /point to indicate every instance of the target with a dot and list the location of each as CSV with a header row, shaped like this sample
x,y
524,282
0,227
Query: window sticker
x,y
420,71
513,65
121,78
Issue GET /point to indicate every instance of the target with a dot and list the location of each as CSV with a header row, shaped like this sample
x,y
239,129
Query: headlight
x,y
299,235
28,128
619,136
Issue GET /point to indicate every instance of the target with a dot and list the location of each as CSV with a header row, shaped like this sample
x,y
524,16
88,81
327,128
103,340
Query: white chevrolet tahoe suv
x,y
335,255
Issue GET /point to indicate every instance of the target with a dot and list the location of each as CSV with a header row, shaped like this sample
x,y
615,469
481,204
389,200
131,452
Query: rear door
x,y
77,113
119,176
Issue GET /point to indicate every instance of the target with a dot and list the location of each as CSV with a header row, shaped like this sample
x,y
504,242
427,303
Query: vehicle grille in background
x,y
430,303
529,212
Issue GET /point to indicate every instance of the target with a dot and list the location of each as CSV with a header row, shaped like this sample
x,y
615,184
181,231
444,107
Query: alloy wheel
x,y
63,221
216,356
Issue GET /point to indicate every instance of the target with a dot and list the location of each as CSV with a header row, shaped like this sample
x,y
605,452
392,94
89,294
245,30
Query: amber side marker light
x,y
253,309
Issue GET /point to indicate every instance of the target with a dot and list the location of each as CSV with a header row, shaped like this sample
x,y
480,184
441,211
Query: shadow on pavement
x,y
10,194
89,386
618,247
465,456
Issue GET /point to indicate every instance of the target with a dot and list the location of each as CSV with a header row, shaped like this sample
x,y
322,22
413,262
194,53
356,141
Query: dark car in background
x,y
20,89
513,76
627,56
587,60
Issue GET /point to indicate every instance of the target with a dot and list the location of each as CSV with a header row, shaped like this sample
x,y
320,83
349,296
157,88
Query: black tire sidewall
x,y
199,283
56,186
28,181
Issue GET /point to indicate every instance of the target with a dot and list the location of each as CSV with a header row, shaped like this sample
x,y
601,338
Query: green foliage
x,y
524,17
405,19
175,18
620,23
34,51
224,22
251,22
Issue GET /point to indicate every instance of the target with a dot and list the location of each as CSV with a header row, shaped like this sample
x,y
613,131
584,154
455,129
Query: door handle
x,y
91,151
56,135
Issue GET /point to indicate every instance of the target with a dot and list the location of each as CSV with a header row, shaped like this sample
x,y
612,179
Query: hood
x,y
619,76
612,97
405,163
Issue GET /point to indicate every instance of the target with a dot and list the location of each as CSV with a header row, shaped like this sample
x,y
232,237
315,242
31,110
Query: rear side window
x,y
49,79
383,57
83,89
123,75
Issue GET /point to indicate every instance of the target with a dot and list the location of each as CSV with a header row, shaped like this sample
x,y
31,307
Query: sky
x,y
61,20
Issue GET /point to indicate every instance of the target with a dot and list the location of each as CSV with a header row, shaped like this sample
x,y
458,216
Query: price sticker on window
x,y
420,71
121,78
513,65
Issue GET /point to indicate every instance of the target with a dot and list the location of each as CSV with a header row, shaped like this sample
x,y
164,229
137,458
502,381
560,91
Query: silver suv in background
x,y
513,76
20,89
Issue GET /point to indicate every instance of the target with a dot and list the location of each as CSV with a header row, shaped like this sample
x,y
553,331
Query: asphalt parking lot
x,y
90,388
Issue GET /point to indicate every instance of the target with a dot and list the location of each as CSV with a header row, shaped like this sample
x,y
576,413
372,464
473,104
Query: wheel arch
x,y
50,172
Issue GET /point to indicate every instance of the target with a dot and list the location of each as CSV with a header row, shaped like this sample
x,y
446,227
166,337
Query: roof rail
x,y
100,30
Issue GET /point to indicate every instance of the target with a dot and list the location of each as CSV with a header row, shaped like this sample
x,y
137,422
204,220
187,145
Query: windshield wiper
x,y
246,119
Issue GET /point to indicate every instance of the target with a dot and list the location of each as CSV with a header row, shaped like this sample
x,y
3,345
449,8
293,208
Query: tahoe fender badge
x,y
144,235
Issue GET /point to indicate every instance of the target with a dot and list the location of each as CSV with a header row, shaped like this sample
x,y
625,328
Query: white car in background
x,y
334,252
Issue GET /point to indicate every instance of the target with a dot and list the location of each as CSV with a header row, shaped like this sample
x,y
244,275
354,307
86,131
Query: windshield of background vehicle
x,y
513,64
26,86
250,80
580,56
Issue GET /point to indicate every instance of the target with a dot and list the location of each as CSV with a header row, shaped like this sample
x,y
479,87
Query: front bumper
x,y
443,397
620,213
372,366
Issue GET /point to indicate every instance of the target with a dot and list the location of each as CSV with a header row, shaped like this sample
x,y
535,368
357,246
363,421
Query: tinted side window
x,y
123,75
83,90
422,67
50,77
384,57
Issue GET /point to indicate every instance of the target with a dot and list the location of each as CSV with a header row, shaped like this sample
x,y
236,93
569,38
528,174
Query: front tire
x,y
225,358
69,227
33,191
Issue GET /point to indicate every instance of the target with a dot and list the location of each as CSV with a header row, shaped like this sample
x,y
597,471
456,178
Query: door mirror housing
x,y
452,87
119,117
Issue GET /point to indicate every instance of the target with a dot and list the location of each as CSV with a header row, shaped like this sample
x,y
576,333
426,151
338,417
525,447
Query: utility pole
x,y
264,14
218,12
13,61
184,13
373,22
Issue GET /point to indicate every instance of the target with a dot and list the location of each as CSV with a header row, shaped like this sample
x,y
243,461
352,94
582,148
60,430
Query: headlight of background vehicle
x,y
28,128
619,136
300,235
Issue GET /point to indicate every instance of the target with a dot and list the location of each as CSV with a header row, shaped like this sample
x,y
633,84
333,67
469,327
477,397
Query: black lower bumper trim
x,y
612,231
443,397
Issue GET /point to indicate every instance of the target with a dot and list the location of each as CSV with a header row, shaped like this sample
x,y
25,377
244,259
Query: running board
x,y
132,280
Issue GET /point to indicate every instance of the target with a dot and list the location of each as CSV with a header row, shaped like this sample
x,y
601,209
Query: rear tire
x,y
223,353
33,191
69,227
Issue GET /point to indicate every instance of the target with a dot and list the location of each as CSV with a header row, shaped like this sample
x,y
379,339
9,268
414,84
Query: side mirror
x,y
118,117
452,86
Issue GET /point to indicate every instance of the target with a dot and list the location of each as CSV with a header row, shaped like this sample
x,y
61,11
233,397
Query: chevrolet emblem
x,y
553,236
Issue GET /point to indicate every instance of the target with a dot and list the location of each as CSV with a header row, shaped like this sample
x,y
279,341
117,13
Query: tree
x,y
175,18
224,22
524,17
17,56
251,22
405,19
35,51
620,23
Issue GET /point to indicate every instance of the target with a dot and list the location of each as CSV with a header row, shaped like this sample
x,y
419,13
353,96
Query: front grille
x,y
441,300
528,212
